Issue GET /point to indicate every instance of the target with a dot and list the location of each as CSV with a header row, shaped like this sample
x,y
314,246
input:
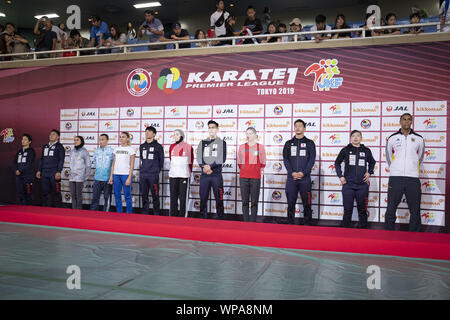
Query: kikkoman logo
x,y
169,80
324,75
139,82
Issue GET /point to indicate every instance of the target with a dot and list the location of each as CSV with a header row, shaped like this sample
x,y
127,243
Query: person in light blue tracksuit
x,y
103,158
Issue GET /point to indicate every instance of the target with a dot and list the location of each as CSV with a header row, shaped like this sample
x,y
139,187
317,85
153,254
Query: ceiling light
x,y
2,14
146,5
48,15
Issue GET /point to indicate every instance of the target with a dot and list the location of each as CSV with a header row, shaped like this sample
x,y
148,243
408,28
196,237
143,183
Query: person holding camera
x,y
47,39
153,28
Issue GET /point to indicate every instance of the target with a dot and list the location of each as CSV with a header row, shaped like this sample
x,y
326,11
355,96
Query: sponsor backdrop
x,y
333,90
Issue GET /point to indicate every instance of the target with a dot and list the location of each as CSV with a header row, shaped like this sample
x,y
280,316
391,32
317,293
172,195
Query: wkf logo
x,y
276,195
197,204
277,167
278,110
366,123
139,82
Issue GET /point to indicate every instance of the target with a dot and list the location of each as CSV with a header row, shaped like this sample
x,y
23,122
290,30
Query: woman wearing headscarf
x,y
181,156
80,168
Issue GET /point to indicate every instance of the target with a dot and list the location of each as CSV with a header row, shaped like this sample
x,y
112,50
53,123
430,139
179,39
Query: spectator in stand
x,y
253,24
319,26
272,30
65,34
391,20
154,29
414,18
117,39
60,35
296,26
283,29
131,32
14,42
267,18
99,33
231,21
177,34
199,34
341,23
444,15
47,37
370,22
218,19
77,41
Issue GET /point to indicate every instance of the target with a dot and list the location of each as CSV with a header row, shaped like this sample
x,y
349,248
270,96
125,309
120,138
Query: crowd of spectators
x,y
107,38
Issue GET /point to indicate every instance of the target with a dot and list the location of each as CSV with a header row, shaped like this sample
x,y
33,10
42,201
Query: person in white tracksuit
x,y
404,155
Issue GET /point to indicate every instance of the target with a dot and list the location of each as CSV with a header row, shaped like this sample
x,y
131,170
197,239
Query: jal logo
x,y
366,124
430,154
227,165
428,217
276,195
277,167
89,138
227,193
225,111
429,186
89,114
335,139
397,108
334,197
311,124
154,125
430,123
227,138
278,110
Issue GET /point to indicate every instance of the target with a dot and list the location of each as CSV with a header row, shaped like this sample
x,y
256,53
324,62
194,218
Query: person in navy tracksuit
x,y
359,165
299,155
49,170
211,155
152,162
23,166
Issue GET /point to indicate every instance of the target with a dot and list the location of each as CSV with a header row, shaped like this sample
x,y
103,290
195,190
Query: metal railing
x,y
124,49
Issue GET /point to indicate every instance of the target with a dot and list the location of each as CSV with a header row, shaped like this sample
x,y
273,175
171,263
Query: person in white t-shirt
x,y
320,25
218,19
122,172
444,14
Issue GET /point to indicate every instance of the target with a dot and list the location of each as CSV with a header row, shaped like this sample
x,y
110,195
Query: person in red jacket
x,y
181,157
251,161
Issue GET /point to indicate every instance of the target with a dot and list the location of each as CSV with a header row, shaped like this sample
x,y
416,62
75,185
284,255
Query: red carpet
x,y
398,243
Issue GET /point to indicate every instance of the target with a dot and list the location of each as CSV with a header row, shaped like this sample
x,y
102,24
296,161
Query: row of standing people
x,y
114,171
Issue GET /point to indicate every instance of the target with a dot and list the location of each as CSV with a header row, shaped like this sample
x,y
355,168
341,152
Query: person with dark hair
x,y
103,158
404,155
200,34
218,19
117,39
369,23
299,156
14,42
230,23
77,41
282,28
319,26
359,166
414,18
341,23
122,172
176,34
181,156
23,166
80,169
267,18
211,155
49,170
152,162
99,33
153,28
251,159
271,30
391,20
253,25
45,40
296,26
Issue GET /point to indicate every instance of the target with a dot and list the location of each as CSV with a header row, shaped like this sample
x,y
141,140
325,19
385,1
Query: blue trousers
x,y
51,188
146,184
350,192
97,189
215,182
293,188
119,183
23,189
